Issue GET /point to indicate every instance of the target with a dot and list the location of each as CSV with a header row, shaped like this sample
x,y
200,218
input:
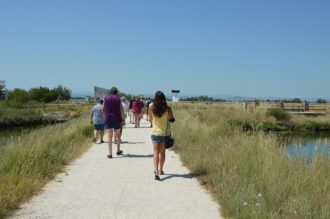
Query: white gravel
x,y
124,187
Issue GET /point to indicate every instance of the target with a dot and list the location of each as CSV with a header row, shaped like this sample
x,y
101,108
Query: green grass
x,y
14,114
28,162
236,166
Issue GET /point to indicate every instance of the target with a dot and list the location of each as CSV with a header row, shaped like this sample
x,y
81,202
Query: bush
x,y
19,95
321,101
279,115
269,126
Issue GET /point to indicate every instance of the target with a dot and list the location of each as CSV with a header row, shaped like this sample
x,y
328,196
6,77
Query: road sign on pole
x,y
176,98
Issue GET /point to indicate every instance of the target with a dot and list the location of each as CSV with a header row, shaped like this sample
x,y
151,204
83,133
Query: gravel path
x,y
96,187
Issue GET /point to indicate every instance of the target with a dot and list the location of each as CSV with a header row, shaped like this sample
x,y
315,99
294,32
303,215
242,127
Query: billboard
x,y
100,93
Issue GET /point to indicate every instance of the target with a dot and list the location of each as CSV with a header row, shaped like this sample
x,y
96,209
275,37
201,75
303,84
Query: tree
x,y
19,95
321,101
2,90
201,98
296,100
42,94
62,93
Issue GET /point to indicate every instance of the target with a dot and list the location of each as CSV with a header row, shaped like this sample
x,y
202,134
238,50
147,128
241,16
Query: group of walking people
x,y
111,114
136,110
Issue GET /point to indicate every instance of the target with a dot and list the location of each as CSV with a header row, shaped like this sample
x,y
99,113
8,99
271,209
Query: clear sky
x,y
212,47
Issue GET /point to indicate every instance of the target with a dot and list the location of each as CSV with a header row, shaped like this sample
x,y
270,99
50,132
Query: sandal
x,y
156,175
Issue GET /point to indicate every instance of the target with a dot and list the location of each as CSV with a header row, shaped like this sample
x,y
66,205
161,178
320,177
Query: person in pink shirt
x,y
137,111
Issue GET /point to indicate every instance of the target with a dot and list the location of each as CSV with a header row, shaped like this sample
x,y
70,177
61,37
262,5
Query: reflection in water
x,y
308,146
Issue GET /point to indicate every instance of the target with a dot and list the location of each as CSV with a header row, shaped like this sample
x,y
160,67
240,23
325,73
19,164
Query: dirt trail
x,y
96,187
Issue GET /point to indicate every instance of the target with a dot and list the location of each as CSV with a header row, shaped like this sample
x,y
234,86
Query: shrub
x,y
321,100
279,115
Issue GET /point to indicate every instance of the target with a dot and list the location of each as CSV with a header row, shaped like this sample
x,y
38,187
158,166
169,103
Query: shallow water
x,y
307,146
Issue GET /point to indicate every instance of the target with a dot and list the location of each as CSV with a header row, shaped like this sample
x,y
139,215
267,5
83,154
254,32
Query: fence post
x,y
281,105
306,106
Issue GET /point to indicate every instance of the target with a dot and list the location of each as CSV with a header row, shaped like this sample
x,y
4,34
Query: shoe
x,y
109,156
156,176
120,152
161,172
101,141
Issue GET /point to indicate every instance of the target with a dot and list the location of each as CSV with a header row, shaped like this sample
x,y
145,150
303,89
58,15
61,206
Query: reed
x,y
249,173
28,162
13,114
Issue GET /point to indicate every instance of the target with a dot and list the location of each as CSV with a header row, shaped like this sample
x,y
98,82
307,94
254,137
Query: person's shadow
x,y
138,155
185,176
132,142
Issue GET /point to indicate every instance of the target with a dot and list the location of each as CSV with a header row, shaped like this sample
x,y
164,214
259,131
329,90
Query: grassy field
x,y
249,173
14,114
28,162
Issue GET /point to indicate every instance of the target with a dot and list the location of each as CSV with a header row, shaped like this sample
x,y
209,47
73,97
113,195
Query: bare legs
x,y
110,134
101,135
98,133
162,158
117,138
131,116
137,119
159,156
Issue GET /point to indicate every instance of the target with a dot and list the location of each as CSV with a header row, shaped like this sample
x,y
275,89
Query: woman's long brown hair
x,y
159,106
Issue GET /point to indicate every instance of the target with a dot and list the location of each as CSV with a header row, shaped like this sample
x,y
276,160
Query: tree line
x,y
203,98
39,94
298,100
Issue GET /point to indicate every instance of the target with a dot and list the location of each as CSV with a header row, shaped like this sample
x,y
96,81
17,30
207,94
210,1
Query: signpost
x,y
176,98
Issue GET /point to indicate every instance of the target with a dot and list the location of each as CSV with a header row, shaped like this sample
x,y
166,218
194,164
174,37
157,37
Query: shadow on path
x,y
141,127
133,142
139,155
169,176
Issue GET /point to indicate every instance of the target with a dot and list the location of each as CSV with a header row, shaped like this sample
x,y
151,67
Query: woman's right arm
x,y
170,115
150,113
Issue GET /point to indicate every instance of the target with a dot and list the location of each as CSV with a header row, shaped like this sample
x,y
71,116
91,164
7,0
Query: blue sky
x,y
212,47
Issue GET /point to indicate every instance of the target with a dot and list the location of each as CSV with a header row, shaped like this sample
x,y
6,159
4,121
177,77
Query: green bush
x,y
269,126
279,115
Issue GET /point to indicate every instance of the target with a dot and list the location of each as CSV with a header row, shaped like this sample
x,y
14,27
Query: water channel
x,y
306,146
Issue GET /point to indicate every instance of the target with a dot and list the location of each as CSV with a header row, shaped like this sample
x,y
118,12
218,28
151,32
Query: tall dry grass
x,y
13,114
249,173
28,162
